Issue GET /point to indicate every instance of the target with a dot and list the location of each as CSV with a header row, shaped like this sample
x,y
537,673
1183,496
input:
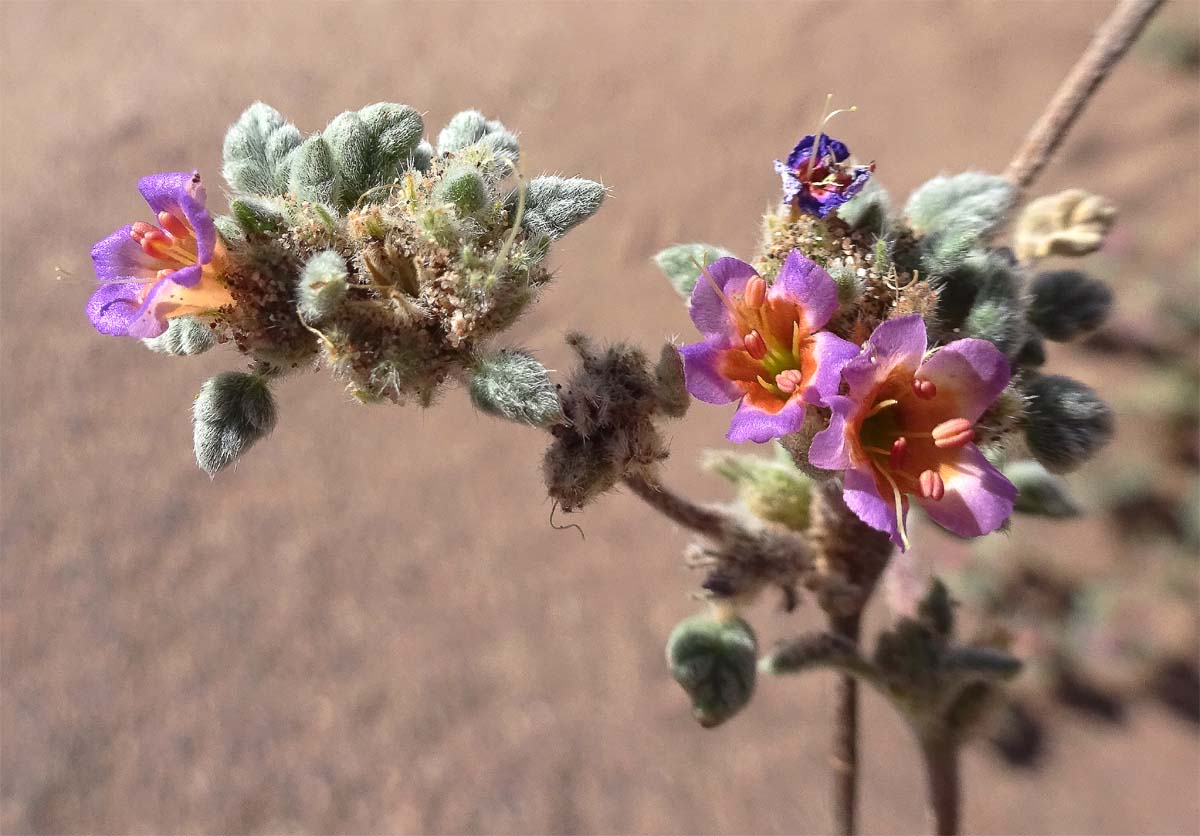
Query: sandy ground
x,y
369,625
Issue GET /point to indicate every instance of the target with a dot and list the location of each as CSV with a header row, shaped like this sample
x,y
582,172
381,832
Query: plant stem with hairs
x,y
1110,43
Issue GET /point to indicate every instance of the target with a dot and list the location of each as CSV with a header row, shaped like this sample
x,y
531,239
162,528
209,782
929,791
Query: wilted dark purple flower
x,y
817,183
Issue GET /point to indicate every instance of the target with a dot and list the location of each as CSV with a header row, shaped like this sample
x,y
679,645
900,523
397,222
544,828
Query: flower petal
x,y
826,146
832,353
701,373
978,497
119,258
804,281
750,423
183,195
708,310
113,307
162,299
862,496
791,184
829,449
973,372
895,343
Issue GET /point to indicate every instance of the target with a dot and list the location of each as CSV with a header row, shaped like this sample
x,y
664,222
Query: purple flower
x,y
762,344
819,183
150,273
906,429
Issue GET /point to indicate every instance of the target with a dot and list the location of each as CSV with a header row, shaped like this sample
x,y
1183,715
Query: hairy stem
x,y
708,521
845,735
940,755
848,547
1111,42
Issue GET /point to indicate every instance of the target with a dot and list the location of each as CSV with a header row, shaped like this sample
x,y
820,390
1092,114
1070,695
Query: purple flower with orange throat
x,y
906,430
817,177
763,345
150,273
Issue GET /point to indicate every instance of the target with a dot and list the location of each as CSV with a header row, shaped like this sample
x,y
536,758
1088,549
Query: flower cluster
x,y
365,248
906,425
892,352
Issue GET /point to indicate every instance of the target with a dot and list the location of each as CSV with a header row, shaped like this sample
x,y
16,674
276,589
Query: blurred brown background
x,y
369,625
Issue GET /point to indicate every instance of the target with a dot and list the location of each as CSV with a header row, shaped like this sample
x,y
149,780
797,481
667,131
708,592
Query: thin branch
x,y
845,735
940,756
1111,42
859,553
708,521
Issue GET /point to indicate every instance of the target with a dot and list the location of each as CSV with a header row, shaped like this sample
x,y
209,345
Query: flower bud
x,y
184,335
1001,323
1066,422
511,384
1039,492
465,128
322,286
1066,304
231,413
1070,223
715,660
464,187
673,397
771,490
869,210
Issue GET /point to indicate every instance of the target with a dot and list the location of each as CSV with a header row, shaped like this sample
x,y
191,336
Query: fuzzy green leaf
x,y
679,264
554,205
256,151
315,176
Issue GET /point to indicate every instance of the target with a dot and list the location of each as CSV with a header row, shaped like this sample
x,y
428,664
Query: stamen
x,y
952,434
898,452
898,497
825,117
924,389
154,243
756,292
789,380
725,300
796,340
756,347
770,387
932,486
881,406
175,227
812,153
